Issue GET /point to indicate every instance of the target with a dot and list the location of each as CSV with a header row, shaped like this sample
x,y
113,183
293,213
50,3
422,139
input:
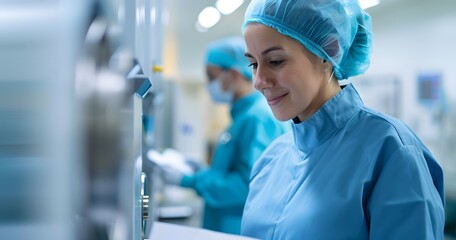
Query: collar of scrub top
x,y
330,117
244,103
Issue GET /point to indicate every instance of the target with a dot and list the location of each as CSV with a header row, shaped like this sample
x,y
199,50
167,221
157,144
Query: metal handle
x,y
145,207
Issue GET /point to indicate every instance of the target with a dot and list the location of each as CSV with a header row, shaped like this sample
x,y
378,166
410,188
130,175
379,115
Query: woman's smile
x,y
274,100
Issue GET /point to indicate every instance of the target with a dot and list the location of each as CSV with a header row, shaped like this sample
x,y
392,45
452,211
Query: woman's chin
x,y
281,116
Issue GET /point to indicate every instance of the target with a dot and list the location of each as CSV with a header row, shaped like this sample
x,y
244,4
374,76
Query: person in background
x,y
224,184
345,171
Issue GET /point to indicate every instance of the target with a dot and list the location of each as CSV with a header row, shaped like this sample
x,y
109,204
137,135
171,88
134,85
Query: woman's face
x,y
294,81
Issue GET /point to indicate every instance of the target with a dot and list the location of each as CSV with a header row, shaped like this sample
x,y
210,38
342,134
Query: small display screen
x,y
429,88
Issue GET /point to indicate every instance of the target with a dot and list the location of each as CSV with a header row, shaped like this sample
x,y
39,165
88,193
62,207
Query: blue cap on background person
x,y
338,31
228,53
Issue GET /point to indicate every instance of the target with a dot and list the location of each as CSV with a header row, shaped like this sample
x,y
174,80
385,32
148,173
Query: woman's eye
x,y
275,63
253,65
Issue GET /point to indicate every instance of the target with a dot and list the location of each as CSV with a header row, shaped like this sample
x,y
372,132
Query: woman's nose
x,y
261,79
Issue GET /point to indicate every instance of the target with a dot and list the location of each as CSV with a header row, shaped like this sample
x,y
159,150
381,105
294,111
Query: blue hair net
x,y
228,53
338,31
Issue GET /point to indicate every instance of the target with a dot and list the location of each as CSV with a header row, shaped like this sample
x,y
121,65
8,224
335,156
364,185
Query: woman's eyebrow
x,y
265,52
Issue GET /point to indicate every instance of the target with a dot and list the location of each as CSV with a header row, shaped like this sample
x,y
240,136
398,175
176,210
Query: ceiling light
x,y
227,7
200,28
208,17
368,3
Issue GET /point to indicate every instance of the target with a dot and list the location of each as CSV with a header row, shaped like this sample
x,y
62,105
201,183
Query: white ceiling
x,y
189,44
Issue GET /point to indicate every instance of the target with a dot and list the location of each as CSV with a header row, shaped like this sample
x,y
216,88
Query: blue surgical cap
x,y
229,53
338,31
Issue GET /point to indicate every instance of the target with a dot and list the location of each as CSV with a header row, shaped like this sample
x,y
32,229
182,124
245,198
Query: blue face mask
x,y
217,94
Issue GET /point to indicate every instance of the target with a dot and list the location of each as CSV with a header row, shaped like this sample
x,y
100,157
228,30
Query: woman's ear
x,y
326,66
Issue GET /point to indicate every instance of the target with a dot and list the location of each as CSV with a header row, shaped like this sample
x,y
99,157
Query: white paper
x,y
167,231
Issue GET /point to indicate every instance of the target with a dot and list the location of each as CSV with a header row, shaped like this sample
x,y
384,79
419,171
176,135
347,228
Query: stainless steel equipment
x,y
71,129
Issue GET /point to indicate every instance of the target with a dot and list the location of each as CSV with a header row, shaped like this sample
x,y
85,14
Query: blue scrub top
x,y
224,186
347,172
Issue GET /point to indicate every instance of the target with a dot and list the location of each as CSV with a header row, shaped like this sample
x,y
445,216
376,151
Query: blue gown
x,y
347,172
224,186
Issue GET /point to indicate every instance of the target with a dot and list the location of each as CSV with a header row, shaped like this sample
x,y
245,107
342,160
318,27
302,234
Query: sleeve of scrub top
x,y
231,188
405,203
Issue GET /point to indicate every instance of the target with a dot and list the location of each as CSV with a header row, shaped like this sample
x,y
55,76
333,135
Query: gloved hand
x,y
172,158
172,165
194,164
177,160
171,175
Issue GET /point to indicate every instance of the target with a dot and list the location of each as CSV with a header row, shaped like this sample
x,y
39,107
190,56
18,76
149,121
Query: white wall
x,y
420,37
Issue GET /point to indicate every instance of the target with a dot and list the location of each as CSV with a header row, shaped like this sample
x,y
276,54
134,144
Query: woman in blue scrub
x,y
224,185
345,171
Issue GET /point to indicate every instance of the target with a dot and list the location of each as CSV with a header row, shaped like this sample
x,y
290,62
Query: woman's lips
x,y
275,100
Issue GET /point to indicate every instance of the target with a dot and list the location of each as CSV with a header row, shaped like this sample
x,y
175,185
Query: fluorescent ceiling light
x,y
208,17
368,3
200,28
227,7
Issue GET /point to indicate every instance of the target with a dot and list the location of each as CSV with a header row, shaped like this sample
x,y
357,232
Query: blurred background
x,y
89,84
